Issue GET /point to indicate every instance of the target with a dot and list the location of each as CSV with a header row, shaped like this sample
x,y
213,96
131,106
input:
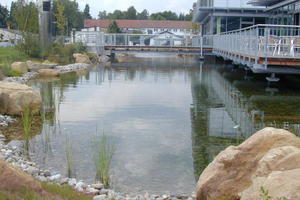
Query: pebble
x,y
72,67
99,197
72,182
4,122
98,186
55,177
22,79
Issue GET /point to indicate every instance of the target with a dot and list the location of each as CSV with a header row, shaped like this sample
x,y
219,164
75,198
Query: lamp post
x,y
45,25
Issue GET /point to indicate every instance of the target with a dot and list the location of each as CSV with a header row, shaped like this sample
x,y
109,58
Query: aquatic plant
x,y
69,157
104,154
27,122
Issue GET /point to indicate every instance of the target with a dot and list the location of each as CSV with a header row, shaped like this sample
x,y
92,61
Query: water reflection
x,y
169,117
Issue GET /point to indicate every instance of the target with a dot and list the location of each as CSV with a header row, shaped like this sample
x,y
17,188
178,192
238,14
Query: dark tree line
x,y
23,15
132,13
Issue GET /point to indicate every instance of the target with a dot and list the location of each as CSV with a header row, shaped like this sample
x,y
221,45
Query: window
x,y
175,30
46,6
155,29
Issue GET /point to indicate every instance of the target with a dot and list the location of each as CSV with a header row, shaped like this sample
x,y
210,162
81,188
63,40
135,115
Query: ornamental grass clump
x,y
27,122
104,154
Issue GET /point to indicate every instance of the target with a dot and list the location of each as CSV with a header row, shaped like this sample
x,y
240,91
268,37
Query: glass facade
x,y
285,15
225,3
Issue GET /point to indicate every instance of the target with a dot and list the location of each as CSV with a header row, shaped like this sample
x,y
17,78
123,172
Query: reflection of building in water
x,y
222,114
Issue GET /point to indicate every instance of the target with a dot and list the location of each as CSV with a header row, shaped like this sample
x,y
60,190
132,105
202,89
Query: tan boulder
x,y
278,184
15,97
35,67
81,58
48,72
233,170
20,67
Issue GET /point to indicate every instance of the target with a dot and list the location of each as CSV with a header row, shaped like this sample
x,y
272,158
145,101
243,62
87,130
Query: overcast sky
x,y
151,5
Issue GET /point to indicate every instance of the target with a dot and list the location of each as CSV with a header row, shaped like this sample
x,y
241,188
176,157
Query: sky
x,y
110,5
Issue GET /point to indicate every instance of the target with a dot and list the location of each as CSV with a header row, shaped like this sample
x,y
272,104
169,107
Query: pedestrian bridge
x,y
164,43
261,48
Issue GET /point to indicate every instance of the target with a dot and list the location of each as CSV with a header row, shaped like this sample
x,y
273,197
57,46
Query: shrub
x,y
30,45
63,54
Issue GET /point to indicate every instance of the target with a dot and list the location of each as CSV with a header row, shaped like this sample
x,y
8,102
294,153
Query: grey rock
x,y
55,177
92,191
72,182
47,173
98,186
100,197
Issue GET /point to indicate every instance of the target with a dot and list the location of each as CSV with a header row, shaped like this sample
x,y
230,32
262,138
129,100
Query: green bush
x,y
63,54
30,45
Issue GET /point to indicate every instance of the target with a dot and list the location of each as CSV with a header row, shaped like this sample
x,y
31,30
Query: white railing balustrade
x,y
157,40
261,41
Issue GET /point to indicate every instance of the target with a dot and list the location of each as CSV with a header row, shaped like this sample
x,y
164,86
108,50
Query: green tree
x,y
86,12
117,14
24,16
74,17
131,13
156,16
3,16
61,21
102,15
143,15
113,28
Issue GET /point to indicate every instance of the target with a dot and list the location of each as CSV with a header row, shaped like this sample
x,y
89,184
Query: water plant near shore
x,y
104,154
27,122
69,158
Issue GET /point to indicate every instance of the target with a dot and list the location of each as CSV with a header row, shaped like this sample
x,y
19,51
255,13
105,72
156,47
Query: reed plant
x,y
27,122
69,157
104,154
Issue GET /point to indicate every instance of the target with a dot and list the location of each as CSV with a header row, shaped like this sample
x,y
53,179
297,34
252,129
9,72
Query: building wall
x,y
175,31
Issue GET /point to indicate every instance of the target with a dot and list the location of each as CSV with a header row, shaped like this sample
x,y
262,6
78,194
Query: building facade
x,y
141,26
216,16
282,12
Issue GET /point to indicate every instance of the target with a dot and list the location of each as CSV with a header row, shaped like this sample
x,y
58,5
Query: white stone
x,y
72,182
55,177
100,197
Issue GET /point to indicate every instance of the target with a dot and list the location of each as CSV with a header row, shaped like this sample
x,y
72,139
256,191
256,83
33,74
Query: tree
x,y
61,21
102,15
86,12
74,17
156,16
3,16
143,15
117,14
24,16
113,28
131,13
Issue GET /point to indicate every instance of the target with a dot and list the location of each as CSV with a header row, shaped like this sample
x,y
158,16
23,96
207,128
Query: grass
x,y
9,55
104,154
66,192
69,157
27,122
54,192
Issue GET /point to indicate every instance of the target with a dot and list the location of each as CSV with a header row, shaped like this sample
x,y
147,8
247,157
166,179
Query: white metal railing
x,y
261,41
157,40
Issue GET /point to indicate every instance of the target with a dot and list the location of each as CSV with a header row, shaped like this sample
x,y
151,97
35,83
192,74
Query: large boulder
x,y
35,67
81,58
239,171
15,97
20,67
48,72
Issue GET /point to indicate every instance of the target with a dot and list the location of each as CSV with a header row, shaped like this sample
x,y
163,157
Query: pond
x,y
167,117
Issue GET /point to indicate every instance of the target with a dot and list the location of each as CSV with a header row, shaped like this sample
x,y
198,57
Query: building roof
x,y
264,2
124,23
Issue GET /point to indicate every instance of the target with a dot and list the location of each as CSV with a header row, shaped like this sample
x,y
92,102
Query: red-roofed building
x,y
145,26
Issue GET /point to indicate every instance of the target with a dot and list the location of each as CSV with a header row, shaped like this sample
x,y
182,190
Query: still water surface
x,y
168,118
